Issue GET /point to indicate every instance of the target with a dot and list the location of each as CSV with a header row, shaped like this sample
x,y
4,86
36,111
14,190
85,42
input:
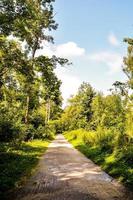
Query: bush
x,y
108,148
11,127
29,132
90,138
76,134
50,130
6,130
10,130
57,126
37,120
47,131
104,138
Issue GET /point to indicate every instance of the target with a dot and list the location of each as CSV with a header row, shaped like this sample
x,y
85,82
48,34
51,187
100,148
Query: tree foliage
x,y
27,82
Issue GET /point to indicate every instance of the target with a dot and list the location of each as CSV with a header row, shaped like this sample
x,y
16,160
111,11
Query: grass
x,y
117,162
16,165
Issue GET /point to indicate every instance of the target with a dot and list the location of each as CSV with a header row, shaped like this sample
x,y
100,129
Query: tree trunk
x,y
28,96
1,94
27,110
48,110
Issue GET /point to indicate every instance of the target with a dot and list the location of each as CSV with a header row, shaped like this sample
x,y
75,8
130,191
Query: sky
x,y
90,35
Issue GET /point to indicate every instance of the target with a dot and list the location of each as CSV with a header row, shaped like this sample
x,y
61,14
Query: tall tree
x,y
128,62
29,21
86,94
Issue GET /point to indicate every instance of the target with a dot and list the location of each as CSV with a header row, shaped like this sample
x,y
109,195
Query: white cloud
x,y
70,83
112,60
66,50
69,49
47,50
113,39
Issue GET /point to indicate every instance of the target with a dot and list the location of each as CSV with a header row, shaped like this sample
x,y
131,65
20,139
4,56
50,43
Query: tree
x,y
78,113
128,62
28,82
29,22
97,107
11,59
86,94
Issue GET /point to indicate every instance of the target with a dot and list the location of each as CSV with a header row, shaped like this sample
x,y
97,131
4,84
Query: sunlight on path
x,y
66,174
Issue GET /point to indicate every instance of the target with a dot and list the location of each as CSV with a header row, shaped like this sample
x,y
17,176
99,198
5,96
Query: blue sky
x,y
91,35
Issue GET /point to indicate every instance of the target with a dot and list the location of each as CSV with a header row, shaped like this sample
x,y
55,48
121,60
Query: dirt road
x,y
65,174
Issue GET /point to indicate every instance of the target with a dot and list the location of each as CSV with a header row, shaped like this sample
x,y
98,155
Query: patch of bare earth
x,y
65,174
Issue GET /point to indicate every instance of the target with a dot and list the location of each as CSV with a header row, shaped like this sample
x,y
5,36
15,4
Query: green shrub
x,y
6,130
37,120
29,132
50,130
102,137
108,148
89,138
105,137
43,132
10,130
58,126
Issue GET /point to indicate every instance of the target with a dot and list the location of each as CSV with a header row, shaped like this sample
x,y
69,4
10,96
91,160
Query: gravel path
x,y
65,174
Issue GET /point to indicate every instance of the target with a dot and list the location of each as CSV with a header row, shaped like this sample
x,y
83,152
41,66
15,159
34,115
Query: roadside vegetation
x,y
105,152
30,97
101,126
17,165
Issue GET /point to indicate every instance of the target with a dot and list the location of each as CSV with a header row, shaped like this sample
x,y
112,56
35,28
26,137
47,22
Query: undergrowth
x,y
105,150
16,165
